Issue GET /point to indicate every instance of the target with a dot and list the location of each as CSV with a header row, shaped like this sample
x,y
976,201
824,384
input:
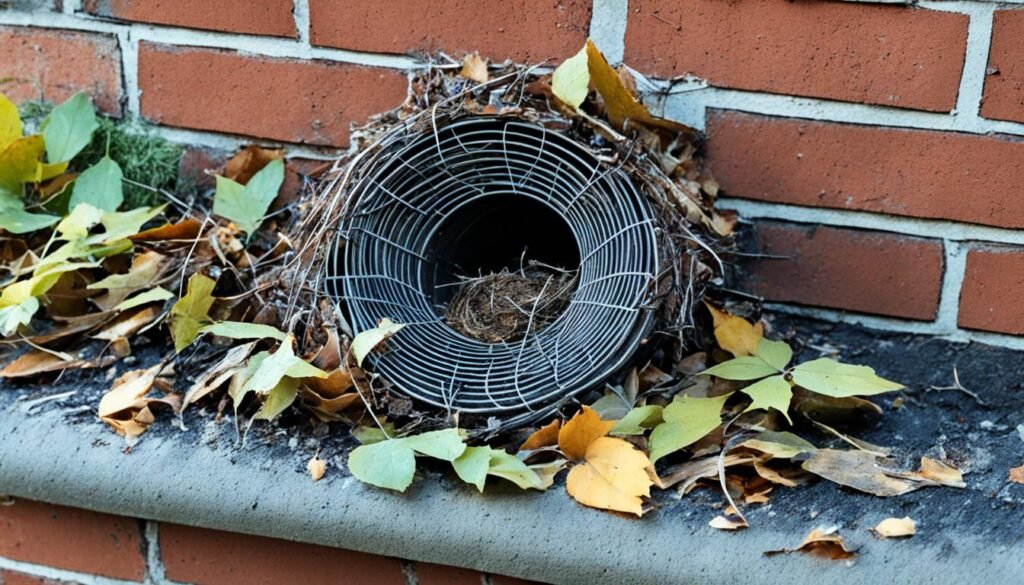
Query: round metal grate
x,y
471,197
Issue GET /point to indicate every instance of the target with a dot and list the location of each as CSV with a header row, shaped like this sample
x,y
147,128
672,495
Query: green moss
x,y
144,156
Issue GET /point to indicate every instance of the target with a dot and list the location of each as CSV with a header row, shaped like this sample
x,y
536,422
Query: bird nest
x,y
534,250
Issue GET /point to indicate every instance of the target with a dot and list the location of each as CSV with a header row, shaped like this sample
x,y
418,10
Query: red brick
x,y
915,173
1004,82
266,17
9,578
210,557
431,574
73,539
867,272
54,65
280,99
876,54
990,295
525,30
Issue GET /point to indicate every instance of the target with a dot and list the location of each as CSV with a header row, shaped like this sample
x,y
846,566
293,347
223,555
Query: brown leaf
x,y
690,472
38,362
728,521
474,67
126,406
821,543
545,436
583,429
213,378
187,230
940,473
1017,474
859,470
785,476
317,467
128,324
895,528
249,161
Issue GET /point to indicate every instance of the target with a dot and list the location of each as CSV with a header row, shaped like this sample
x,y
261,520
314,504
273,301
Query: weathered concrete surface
x,y
968,536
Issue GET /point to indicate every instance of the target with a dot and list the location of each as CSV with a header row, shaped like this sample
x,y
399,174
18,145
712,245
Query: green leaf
x,y
150,296
247,205
509,467
10,122
14,316
16,220
472,466
241,330
388,464
476,463
745,367
571,80
191,311
638,420
776,354
278,399
99,186
283,362
687,420
236,388
122,224
445,444
832,378
69,127
364,342
368,435
781,445
774,392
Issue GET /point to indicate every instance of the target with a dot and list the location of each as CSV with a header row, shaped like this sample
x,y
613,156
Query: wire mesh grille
x,y
388,258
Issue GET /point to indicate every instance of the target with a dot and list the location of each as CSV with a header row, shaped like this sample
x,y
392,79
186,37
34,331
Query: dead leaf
x,y
474,67
784,476
735,334
583,429
220,373
186,230
145,270
128,324
545,436
126,406
895,528
859,470
730,520
241,167
760,497
614,476
1017,474
690,472
39,362
825,543
317,467
858,443
940,473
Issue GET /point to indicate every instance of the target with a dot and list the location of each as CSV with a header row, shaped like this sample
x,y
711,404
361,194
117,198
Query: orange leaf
x,y
735,334
1017,474
545,436
614,477
583,429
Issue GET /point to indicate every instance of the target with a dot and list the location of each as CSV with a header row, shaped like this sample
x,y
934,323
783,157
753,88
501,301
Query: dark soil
x,y
981,439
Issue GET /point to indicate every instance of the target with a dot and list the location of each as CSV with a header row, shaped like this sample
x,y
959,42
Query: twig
x,y
958,387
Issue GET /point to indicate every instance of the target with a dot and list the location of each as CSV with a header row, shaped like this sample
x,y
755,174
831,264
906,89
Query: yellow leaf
x,y
571,80
475,67
19,159
47,171
895,527
545,436
614,477
10,123
735,334
619,102
583,429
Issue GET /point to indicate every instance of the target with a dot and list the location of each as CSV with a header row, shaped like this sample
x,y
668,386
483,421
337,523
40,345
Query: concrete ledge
x,y
535,536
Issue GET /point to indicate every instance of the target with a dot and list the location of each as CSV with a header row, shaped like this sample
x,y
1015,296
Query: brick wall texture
x,y
878,148
43,541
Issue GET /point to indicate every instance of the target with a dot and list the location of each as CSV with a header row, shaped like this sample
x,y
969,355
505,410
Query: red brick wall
x,y
41,543
879,147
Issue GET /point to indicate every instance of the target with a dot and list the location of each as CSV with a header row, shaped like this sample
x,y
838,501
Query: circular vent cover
x,y
479,195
